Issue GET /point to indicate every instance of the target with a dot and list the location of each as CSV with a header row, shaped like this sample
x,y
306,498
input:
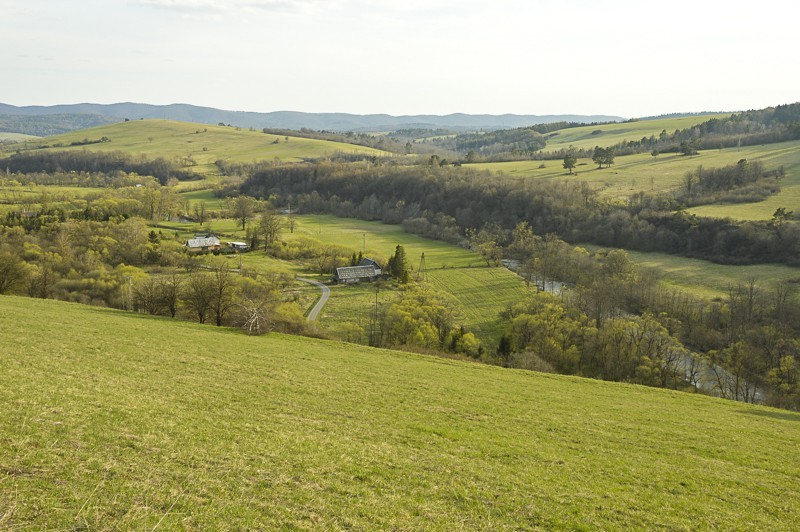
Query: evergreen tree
x,y
398,265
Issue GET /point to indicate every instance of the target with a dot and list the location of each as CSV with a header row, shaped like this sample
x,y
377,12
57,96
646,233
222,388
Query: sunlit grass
x,y
203,144
610,134
124,421
644,173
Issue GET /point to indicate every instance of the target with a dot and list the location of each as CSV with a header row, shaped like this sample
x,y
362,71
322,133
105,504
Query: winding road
x,y
326,293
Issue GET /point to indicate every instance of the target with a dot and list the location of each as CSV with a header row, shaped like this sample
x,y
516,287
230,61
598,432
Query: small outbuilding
x,y
239,247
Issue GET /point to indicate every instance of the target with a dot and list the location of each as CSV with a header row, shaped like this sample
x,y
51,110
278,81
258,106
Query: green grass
x,y
213,203
15,137
481,292
643,172
707,279
204,143
611,134
120,421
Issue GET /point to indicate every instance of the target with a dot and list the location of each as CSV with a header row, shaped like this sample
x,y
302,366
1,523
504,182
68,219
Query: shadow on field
x,y
786,416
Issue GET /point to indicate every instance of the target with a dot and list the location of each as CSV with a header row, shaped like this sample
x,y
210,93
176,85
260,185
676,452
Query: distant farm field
x,y
113,420
643,172
707,279
200,143
481,292
611,134
15,137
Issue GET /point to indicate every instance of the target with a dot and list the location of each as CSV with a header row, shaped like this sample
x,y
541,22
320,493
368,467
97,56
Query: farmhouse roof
x,y
203,242
356,272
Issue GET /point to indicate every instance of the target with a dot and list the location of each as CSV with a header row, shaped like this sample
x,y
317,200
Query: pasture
x,y
610,134
480,292
644,173
126,421
198,145
707,279
6,136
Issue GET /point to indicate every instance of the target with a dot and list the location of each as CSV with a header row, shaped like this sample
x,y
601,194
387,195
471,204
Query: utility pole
x,y
422,271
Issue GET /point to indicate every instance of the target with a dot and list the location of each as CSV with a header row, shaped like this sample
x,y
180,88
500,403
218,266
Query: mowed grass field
x,y
122,421
643,172
203,143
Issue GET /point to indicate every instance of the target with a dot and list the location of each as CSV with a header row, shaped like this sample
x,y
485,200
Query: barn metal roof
x,y
205,242
356,272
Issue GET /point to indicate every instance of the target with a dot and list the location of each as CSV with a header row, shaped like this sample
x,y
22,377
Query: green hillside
x,y
643,172
611,134
119,421
202,143
707,279
14,137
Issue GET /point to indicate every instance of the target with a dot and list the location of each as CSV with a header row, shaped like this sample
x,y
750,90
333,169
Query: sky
x,y
612,57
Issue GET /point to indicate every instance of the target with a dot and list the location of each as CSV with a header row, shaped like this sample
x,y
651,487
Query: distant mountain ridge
x,y
298,120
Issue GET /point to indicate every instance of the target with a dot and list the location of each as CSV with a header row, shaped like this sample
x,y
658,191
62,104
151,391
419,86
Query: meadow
x,y
6,136
199,144
125,421
707,279
479,292
644,173
588,137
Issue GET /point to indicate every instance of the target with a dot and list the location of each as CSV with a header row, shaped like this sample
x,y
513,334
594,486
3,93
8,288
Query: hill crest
x,y
299,120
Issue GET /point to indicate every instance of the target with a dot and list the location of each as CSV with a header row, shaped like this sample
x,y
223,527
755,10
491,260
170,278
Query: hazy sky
x,y
628,58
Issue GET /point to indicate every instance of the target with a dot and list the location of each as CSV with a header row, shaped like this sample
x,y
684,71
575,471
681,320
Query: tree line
x,y
473,199
55,162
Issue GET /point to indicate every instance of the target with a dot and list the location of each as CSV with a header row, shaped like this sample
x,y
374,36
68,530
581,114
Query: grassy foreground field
x,y
120,421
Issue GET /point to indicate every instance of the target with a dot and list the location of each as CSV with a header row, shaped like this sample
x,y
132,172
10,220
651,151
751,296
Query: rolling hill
x,y
115,420
201,145
298,120
611,134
